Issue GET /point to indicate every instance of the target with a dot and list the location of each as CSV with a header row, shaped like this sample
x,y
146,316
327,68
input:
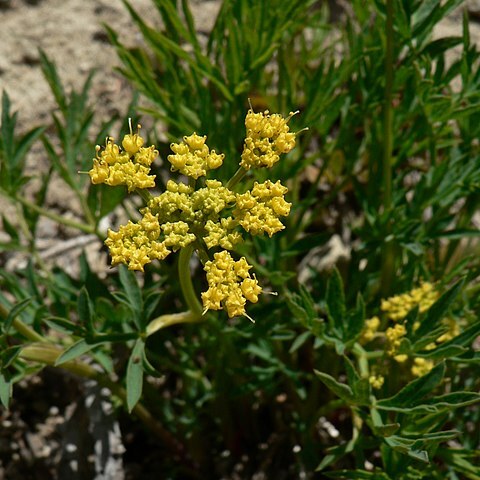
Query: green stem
x,y
145,194
21,328
57,218
85,208
362,360
239,174
186,284
172,319
388,253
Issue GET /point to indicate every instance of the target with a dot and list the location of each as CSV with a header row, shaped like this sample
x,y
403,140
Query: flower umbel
x,y
205,215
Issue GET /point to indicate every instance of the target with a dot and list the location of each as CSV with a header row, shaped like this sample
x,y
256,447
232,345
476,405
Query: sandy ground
x,y
72,35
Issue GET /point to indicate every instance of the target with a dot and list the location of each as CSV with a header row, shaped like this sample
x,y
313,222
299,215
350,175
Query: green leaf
x,y
133,292
134,377
438,436
356,320
50,72
10,229
387,429
438,47
9,355
5,390
295,305
299,341
449,401
65,326
453,400
14,312
352,374
74,351
335,453
405,445
335,299
436,354
85,310
409,395
340,389
463,340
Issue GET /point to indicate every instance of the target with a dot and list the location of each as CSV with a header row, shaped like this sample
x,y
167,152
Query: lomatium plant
x,y
199,214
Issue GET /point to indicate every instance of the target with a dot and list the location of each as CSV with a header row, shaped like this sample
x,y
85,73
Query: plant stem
x,y
21,328
172,319
86,210
362,360
186,284
145,194
388,253
57,218
239,174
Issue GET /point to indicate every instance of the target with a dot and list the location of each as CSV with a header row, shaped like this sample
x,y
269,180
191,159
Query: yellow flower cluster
x,y
421,366
258,210
268,136
370,329
193,158
453,330
394,337
376,381
222,234
136,244
207,217
229,284
397,307
130,166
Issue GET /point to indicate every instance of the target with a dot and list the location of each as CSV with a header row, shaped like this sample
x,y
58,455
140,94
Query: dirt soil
x,y
59,427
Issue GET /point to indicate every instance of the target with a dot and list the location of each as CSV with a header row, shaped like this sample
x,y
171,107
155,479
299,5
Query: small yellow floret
x,y
453,330
394,335
376,381
421,366
369,330
132,143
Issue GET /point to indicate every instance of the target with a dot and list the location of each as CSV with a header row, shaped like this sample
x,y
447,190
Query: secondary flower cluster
x,y
396,308
268,136
211,216
229,284
130,166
